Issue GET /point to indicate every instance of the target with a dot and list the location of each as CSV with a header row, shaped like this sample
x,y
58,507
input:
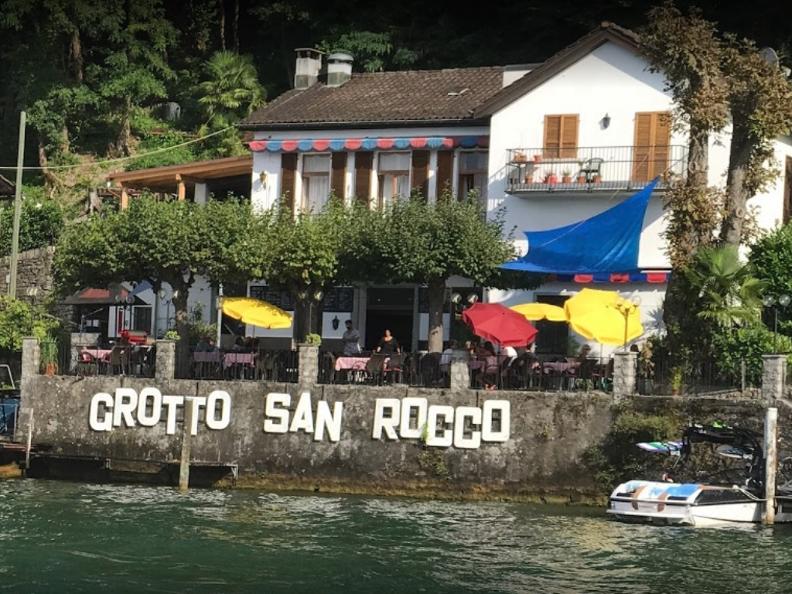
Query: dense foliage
x,y
19,319
40,224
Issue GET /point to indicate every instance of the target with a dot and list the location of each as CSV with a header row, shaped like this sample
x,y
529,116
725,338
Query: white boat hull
x,y
693,505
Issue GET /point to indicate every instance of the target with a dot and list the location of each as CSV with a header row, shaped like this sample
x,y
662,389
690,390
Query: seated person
x,y
445,358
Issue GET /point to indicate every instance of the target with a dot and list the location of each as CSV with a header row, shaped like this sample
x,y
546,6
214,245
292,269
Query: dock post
x,y
771,463
184,460
29,440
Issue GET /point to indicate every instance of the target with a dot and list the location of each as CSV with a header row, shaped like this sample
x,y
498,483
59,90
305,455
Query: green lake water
x,y
68,537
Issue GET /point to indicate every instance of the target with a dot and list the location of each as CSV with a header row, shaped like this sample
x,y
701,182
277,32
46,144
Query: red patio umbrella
x,y
493,321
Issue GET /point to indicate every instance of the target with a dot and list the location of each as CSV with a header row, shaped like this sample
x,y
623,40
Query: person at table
x,y
239,345
351,340
388,345
445,358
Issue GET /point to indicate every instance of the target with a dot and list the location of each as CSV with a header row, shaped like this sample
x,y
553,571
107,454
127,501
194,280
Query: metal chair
x,y
375,368
591,169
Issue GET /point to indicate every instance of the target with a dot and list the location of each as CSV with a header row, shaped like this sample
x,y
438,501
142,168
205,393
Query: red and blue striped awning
x,y
368,144
657,277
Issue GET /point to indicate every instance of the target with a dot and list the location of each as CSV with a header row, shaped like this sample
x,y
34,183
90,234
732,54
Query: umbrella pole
x,y
219,314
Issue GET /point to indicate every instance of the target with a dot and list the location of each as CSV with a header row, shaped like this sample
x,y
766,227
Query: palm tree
x,y
230,90
730,295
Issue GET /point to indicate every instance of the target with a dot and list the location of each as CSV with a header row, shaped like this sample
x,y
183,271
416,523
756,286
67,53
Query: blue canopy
x,y
607,242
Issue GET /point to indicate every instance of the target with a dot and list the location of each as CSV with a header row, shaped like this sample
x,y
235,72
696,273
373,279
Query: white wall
x,y
610,80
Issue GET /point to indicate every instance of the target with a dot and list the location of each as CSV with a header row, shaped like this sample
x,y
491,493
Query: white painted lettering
x,y
303,415
408,405
224,399
446,439
474,414
277,419
488,432
143,417
195,402
126,400
172,403
326,419
388,423
106,423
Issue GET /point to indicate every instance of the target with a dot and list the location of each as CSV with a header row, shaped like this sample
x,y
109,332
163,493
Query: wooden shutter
x,y
363,164
288,177
652,145
337,179
560,136
420,172
445,171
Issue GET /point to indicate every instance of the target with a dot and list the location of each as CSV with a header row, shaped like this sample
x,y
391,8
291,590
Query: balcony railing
x,y
588,168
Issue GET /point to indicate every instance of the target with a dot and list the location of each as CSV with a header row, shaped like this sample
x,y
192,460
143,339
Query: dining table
x,y
351,363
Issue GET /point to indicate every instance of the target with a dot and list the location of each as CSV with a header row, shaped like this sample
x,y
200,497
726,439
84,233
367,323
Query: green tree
x,y
729,293
19,319
229,91
418,242
40,225
771,259
159,241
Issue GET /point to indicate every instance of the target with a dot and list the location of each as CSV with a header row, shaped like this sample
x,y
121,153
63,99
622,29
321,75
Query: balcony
x,y
593,169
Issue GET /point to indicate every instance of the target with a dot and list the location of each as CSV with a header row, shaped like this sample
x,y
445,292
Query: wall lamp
x,y
605,121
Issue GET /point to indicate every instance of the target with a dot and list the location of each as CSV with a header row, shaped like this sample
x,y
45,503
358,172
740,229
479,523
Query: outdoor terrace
x,y
591,169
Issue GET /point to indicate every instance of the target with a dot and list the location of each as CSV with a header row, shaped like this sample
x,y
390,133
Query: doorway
x,y
389,308
552,337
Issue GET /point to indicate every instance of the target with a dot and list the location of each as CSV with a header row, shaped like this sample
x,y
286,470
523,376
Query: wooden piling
x,y
184,460
29,440
771,463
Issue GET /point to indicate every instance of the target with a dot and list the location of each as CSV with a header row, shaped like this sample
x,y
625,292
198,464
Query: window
x,y
472,173
315,182
561,136
142,318
394,176
652,140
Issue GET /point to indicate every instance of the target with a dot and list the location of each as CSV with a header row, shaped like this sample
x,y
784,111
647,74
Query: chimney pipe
x,y
306,71
339,68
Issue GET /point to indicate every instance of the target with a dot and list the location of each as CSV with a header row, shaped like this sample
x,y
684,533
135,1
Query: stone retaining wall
x,y
34,275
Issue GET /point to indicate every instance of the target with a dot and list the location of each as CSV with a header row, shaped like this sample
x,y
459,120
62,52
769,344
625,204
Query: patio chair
x,y
584,377
327,368
394,369
86,365
375,368
590,169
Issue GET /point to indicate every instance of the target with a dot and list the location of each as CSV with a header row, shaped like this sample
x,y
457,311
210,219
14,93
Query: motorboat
x,y
702,503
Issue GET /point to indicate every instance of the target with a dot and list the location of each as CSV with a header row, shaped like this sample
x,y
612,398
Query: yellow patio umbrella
x,y
604,316
541,311
256,312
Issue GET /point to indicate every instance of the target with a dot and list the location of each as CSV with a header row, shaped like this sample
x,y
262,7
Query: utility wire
x,y
122,159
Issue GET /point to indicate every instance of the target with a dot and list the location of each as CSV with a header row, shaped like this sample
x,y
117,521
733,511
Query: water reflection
x,y
134,538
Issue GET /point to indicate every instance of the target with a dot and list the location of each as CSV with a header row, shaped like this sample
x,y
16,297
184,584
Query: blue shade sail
x,y
607,242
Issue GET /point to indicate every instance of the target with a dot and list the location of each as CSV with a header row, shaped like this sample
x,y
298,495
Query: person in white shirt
x,y
351,340
509,351
445,358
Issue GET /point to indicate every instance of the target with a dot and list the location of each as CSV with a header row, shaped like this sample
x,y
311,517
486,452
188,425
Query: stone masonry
x,y
773,377
624,375
34,275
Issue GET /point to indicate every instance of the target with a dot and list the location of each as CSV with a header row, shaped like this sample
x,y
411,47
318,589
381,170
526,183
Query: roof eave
x,y
556,63
434,123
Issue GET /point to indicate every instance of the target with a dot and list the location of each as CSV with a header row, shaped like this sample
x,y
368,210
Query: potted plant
x,y
676,381
49,356
551,178
581,178
519,157
313,340
566,177
537,158
596,178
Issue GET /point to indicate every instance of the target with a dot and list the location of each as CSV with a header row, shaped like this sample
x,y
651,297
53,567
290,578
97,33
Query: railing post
x,y
773,377
459,371
31,360
308,366
625,372
165,363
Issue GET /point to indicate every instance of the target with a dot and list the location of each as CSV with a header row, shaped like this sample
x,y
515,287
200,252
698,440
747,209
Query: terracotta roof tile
x,y
411,96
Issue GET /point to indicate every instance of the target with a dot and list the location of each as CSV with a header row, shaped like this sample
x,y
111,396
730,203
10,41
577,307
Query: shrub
x,y
40,224
748,343
19,319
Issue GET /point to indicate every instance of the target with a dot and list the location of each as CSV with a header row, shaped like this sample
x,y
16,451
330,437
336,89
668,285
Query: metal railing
x,y
547,374
412,369
660,378
586,168
128,360
260,365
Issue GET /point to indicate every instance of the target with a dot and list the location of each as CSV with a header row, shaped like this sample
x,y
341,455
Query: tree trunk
x,y
235,26
124,131
76,56
436,303
698,158
222,24
180,293
51,181
736,192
